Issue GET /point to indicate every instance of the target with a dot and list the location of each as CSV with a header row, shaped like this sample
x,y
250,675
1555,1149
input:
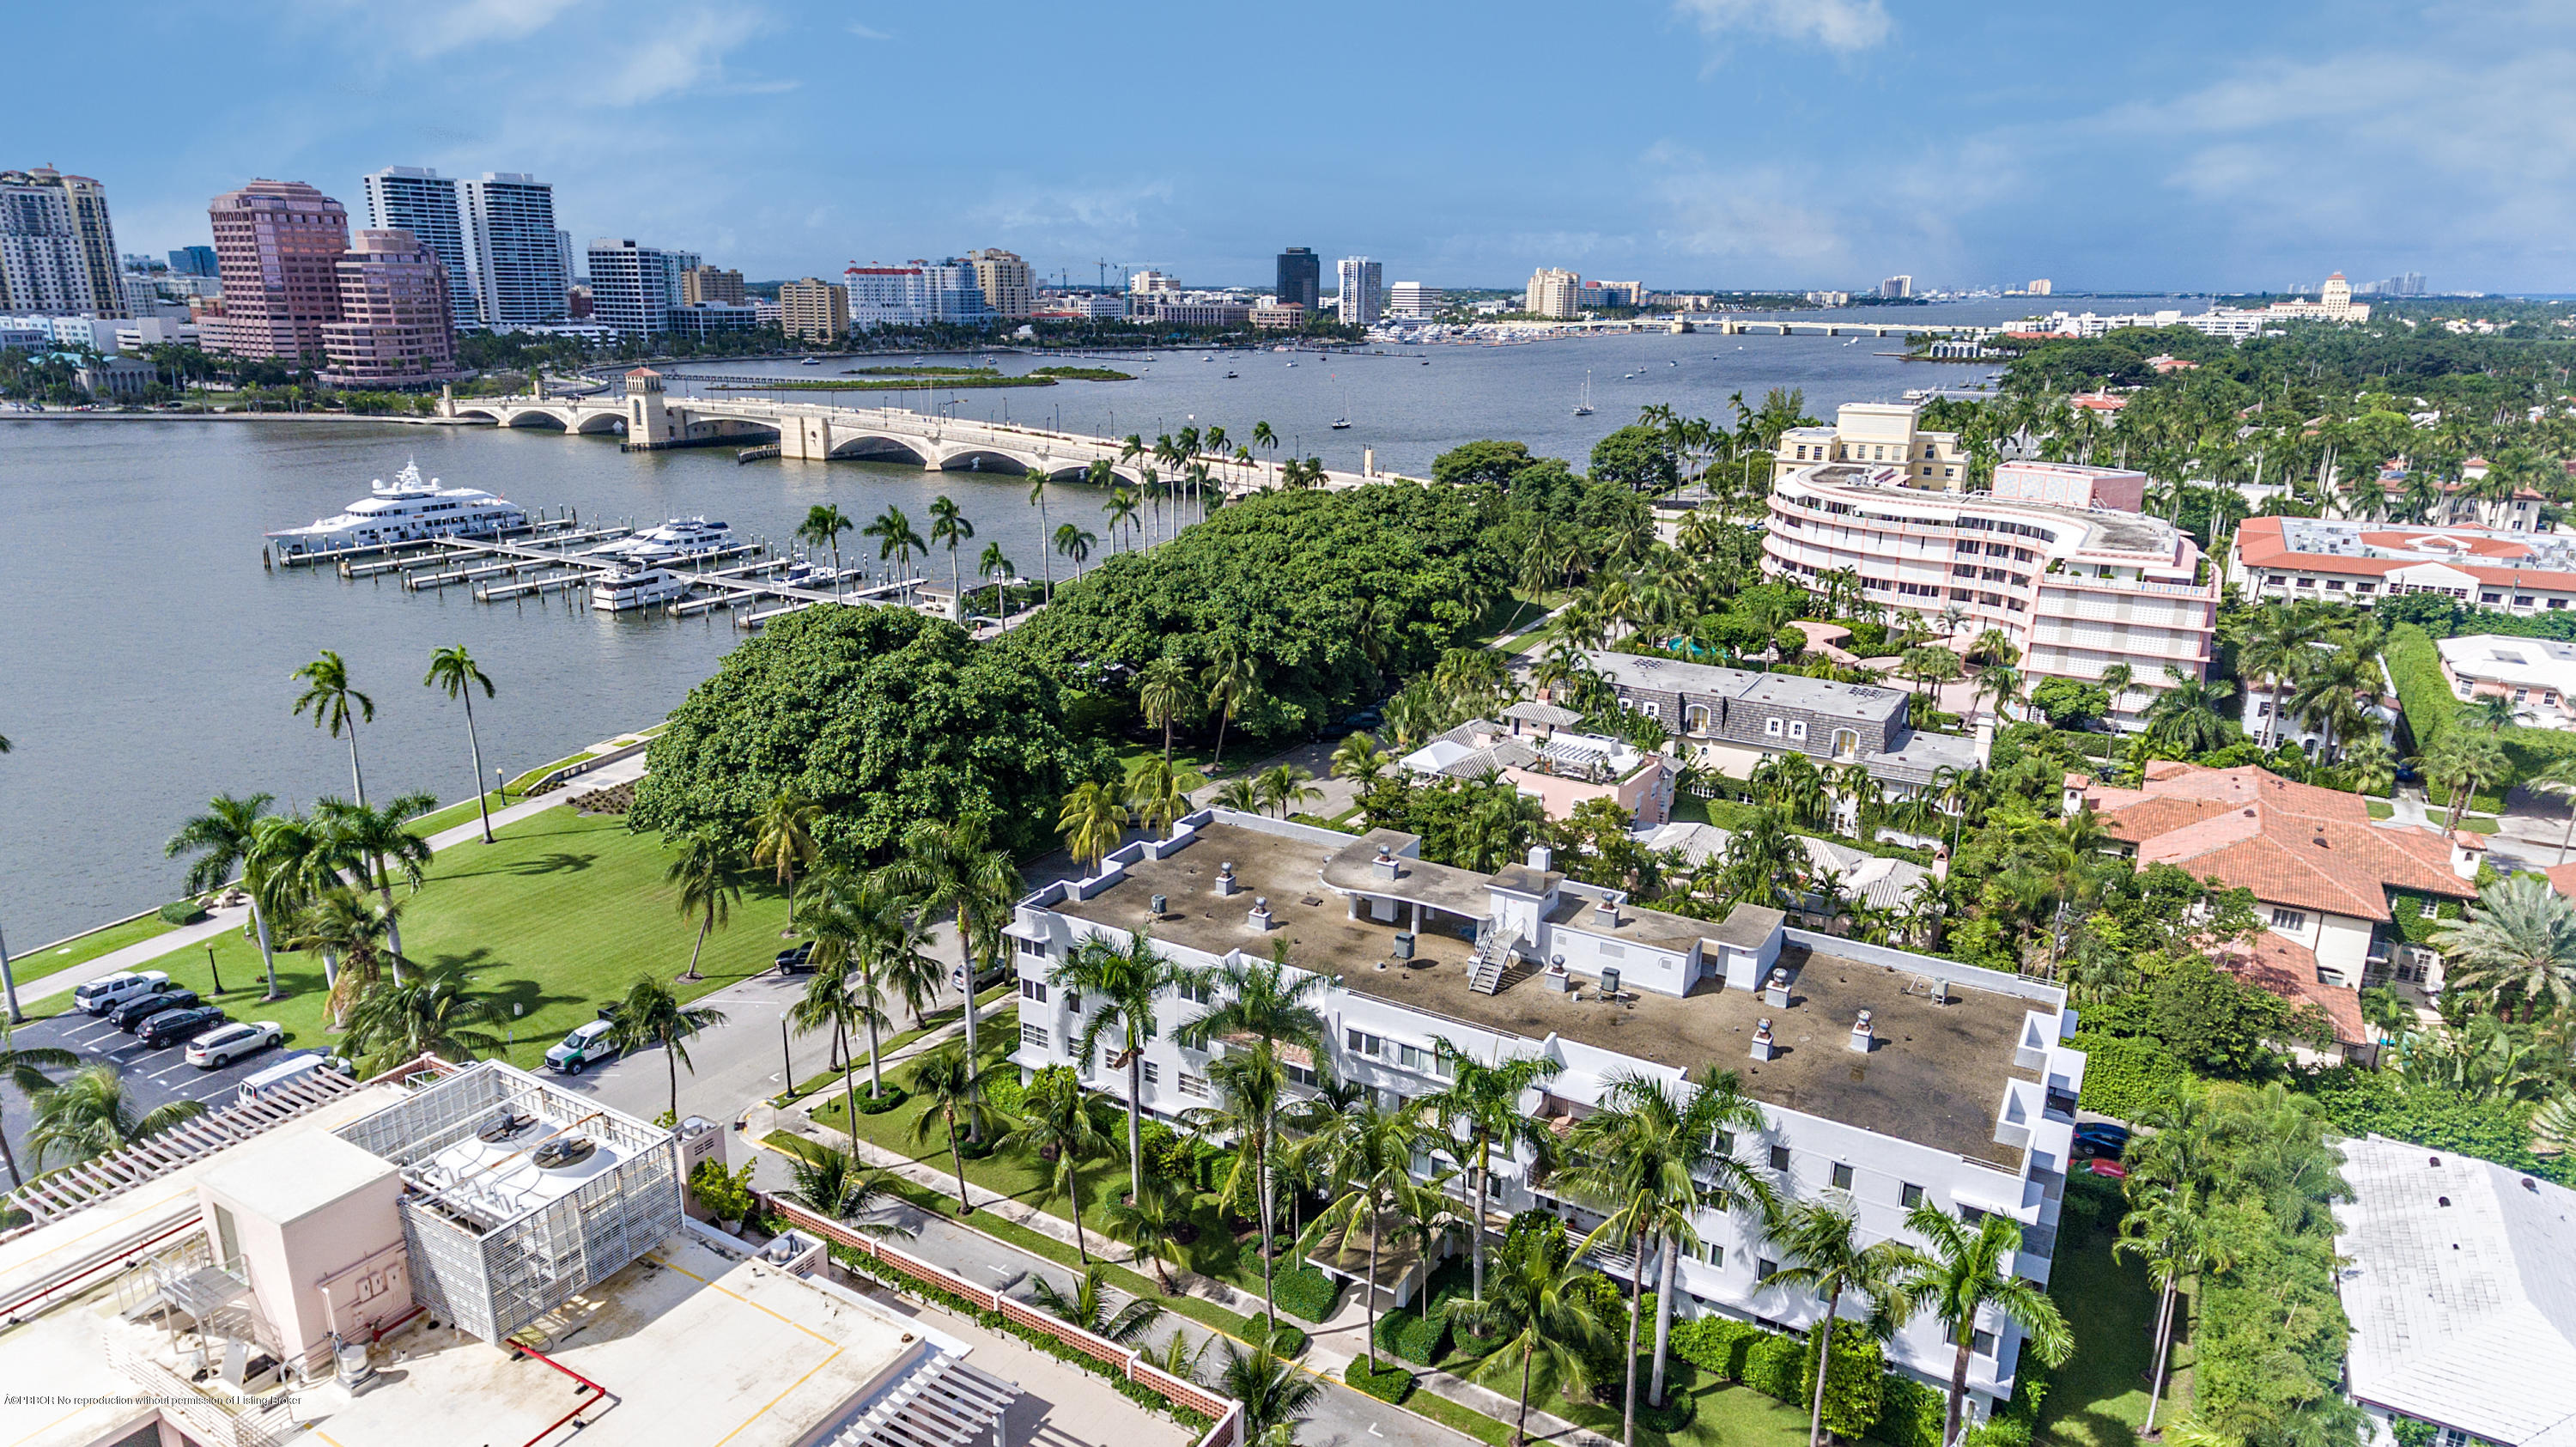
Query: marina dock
x,y
549,560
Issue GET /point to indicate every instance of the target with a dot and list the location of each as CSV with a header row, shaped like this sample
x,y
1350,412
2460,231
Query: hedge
x,y
2127,1077
1412,1336
1910,1414
1291,1340
1855,1378
1388,1383
1775,1366
182,911
2363,1102
893,1096
1306,1293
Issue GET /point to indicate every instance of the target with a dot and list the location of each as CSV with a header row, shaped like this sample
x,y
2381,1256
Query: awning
x,y
942,1403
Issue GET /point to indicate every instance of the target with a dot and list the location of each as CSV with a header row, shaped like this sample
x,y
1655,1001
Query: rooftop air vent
x,y
1225,878
1160,906
1261,913
1384,865
1775,991
1861,1040
1763,1049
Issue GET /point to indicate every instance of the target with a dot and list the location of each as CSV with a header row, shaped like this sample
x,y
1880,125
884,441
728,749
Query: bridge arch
x,y
881,447
602,422
544,419
969,457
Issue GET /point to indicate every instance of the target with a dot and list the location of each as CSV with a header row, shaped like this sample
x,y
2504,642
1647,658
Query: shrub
x,y
1681,1403
1774,1366
182,911
1389,1383
1307,1293
894,1096
725,1195
1909,1413
1291,1340
1715,1344
1853,1379
973,1150
1412,1336
2129,1078
1006,1095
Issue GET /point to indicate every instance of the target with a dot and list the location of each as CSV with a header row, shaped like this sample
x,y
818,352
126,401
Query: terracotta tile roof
x,y
2289,969
2562,878
2291,844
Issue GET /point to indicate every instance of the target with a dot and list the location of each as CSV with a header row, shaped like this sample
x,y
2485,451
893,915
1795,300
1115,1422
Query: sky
x,y
1691,144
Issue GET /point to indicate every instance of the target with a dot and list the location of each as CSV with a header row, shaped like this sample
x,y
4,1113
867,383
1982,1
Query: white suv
x,y
228,1043
109,991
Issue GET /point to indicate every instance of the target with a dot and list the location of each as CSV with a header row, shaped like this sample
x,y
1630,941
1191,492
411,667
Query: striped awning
x,y
942,1403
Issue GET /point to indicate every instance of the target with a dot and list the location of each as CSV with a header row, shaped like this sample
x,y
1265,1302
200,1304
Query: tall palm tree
x,y
292,862
895,537
1121,510
220,841
1056,1120
2185,714
708,886
1158,791
829,1002
1822,1241
2463,761
949,525
998,570
1232,681
1074,543
2518,944
651,1015
1963,1273
2169,1228
946,1079
1534,1298
2279,642
1092,822
1276,1396
1274,1006
824,523
782,837
354,928
1037,499
1164,694
835,1183
1481,1109
435,1013
952,869
25,1067
90,1115
454,669
1123,986
337,707
1088,1306
1367,1154
382,837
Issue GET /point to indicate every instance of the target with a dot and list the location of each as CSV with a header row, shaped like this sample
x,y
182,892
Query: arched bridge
x,y
648,418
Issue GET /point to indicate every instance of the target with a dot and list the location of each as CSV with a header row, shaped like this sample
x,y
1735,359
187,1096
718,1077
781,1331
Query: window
x,y
1302,1075
1035,1036
1153,1073
1363,1043
2289,919
1424,1058
2334,585
1911,1195
1764,1266
1034,990
2557,602
1842,1176
1712,1253
2490,597
1779,1158
2522,600
1972,1214
1197,991
1797,728
1724,1141
1771,728
1194,1085
1034,949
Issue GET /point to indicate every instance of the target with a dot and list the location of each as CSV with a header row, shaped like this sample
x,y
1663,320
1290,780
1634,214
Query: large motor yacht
x,y
409,509
636,583
679,538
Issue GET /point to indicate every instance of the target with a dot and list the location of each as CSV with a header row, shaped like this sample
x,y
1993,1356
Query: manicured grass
x,y
888,1046
2380,809
522,784
84,948
1505,614
556,918
2480,823
460,812
1725,1414
1427,1401
2099,1398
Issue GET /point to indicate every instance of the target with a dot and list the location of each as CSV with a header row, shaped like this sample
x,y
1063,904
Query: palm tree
x,y
950,525
2519,943
1087,1306
383,839
2463,762
1037,499
1127,982
2557,777
1823,1242
895,537
1074,543
1963,1273
1158,791
2186,714
1056,1120
1150,1222
292,861
2168,1228
1533,1297
2279,643
1163,694
1360,760
782,837
454,669
708,887
951,869
336,706
651,1015
1481,1107
1092,822
998,570
1232,681
946,1079
830,1003
221,839
436,1013
1276,1396
90,1115
1367,1154
1121,511
1242,795
353,927
824,523
1265,1001
1287,785
25,1067
835,1183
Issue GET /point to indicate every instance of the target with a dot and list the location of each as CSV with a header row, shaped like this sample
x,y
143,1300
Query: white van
x,y
586,1046
292,1068
109,991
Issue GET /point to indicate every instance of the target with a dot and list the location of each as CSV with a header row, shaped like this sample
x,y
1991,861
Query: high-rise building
x,y
571,258
1553,292
510,242
277,249
1301,279
814,310
41,270
951,292
629,289
1004,279
1896,288
1413,299
700,285
1362,295
93,238
880,296
676,266
2042,287
428,205
1150,282
193,261
397,325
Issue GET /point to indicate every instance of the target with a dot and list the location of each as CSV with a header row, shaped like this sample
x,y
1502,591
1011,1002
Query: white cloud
x,y
684,53
868,32
1839,25
1081,216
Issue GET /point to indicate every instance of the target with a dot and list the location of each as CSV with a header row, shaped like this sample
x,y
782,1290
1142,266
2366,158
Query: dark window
x,y
1912,1195
1842,1177
1764,1266
1779,1158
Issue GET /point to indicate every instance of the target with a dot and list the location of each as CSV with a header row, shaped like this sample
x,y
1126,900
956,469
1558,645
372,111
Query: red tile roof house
x,y
2327,879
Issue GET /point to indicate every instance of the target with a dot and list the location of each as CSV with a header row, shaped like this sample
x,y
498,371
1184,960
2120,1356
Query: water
x,y
145,657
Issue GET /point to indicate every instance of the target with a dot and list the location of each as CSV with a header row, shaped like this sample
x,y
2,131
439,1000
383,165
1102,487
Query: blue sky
x,y
1686,143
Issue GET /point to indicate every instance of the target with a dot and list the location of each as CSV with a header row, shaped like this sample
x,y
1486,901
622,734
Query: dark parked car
x,y
135,1012
2101,1138
798,960
172,1026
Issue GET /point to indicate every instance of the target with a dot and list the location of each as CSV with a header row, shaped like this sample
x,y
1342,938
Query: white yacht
x,y
409,509
634,583
688,537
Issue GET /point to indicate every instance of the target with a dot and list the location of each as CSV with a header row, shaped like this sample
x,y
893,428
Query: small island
x,y
908,378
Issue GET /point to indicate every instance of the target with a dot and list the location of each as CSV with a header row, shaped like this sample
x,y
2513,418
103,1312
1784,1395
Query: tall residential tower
x,y
1362,297
426,204
510,242
277,249
69,225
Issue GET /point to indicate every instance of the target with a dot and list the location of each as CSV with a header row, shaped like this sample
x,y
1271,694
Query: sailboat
x,y
1584,407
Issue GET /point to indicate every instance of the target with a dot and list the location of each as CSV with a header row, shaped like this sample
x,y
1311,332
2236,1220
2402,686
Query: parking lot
x,y
152,1077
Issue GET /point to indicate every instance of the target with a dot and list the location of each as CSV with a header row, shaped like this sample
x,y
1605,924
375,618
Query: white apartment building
x,y
1413,299
1896,1078
1554,293
1361,298
885,296
2075,589
2537,674
511,245
2353,560
429,206
630,287
1878,432
950,291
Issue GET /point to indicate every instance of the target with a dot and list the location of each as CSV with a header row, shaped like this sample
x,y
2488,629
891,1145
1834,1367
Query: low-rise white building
x,y
2537,674
1895,1078
2355,561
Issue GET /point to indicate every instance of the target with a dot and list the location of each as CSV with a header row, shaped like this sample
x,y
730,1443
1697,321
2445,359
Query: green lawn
x,y
2099,1398
84,948
890,1044
558,917
1724,1415
2380,809
1506,613
457,813
2480,823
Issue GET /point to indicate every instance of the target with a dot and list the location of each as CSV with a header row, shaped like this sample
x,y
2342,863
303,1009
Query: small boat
x,y
1292,364
811,362
634,583
1583,408
1672,364
1341,424
1229,372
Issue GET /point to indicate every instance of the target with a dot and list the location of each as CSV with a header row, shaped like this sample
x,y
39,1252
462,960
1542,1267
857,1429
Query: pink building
x,y
397,327
277,250
2070,484
1537,754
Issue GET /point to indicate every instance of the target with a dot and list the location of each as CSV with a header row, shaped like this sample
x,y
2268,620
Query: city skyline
x,y
1708,144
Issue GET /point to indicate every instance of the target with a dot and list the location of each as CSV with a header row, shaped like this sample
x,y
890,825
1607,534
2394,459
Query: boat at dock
x,y
409,509
634,583
675,540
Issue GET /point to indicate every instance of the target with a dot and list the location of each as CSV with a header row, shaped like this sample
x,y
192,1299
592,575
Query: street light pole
x,y
786,1060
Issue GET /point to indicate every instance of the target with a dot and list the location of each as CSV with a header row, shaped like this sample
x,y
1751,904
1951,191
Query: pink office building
x,y
277,251
397,323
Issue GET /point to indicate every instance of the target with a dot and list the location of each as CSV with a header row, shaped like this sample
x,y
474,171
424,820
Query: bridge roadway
x,y
649,419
